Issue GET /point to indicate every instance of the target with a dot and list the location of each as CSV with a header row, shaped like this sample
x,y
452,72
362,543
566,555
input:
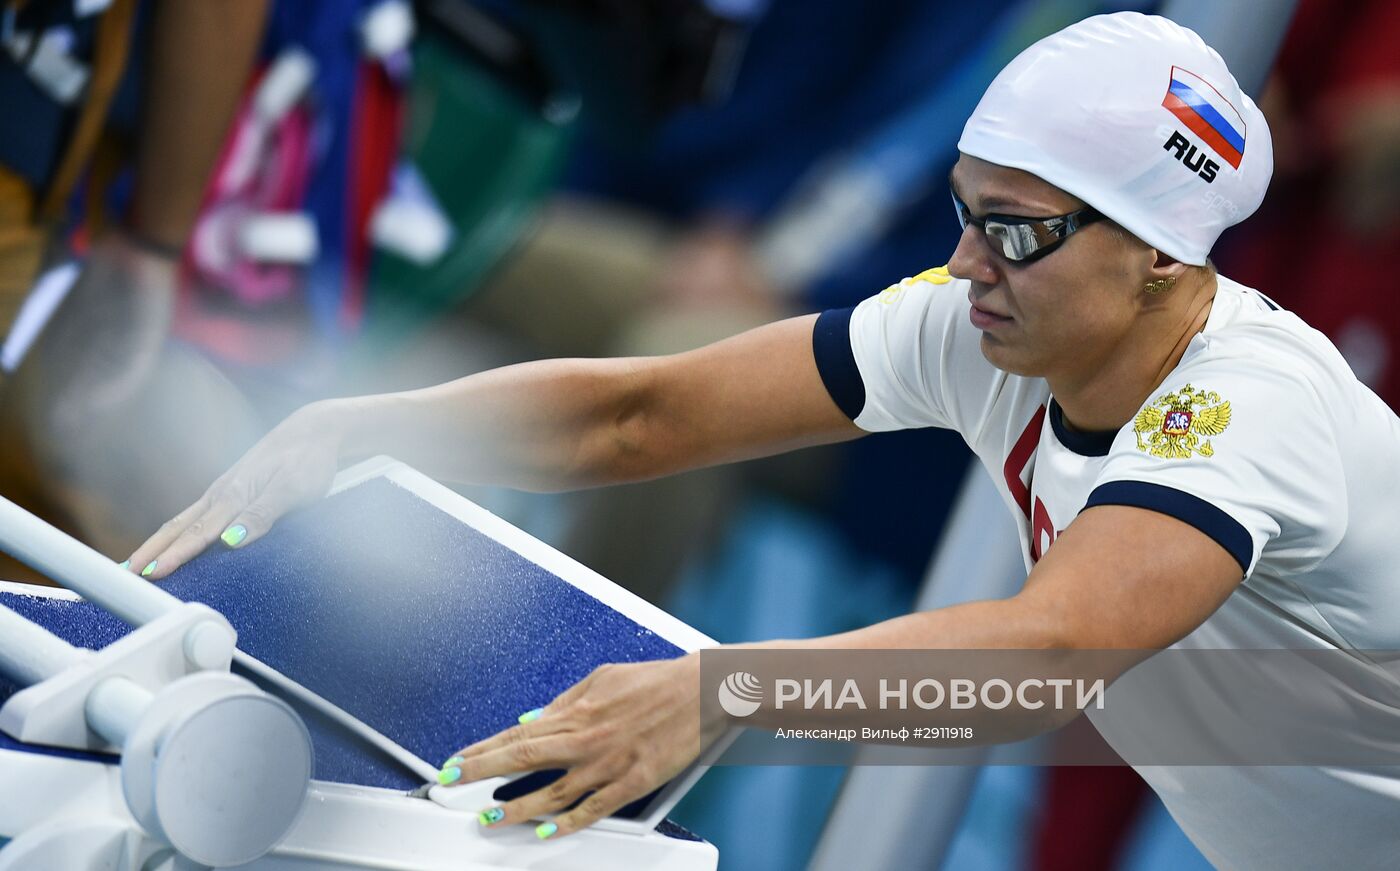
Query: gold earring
x,y
1161,285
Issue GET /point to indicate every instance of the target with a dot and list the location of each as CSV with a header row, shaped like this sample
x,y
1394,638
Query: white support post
x,y
1247,33
979,557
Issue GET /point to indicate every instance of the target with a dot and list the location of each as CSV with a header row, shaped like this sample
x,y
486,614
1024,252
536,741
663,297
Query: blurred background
x,y
212,213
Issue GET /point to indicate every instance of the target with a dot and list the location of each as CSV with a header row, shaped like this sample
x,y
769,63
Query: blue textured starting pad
x,y
429,630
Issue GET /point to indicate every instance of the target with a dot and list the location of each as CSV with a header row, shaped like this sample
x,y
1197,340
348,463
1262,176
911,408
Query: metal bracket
x,y
192,638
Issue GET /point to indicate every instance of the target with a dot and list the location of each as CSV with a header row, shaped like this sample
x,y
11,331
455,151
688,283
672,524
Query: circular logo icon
x,y
740,694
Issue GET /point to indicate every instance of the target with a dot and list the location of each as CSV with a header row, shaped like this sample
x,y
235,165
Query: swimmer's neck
x,y
1109,395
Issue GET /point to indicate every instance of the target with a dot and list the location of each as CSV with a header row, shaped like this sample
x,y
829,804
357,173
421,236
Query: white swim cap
x,y
1138,117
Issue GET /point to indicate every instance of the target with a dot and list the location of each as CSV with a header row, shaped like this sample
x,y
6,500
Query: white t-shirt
x,y
1263,439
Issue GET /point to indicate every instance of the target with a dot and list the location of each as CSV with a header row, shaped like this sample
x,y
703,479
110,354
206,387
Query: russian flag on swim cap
x,y
1208,114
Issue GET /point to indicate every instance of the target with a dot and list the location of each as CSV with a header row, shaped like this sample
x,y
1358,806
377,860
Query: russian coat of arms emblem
x,y
1178,424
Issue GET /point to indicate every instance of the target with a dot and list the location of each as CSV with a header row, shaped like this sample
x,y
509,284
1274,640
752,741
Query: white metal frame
x,y
50,803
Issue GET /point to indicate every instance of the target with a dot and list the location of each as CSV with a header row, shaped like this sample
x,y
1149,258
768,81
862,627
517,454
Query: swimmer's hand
x,y
621,732
289,467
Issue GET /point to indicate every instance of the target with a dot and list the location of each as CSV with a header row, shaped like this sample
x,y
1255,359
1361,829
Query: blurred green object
x,y
490,154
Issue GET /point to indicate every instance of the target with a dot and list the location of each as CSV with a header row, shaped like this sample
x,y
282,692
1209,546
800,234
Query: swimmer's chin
x,y
1003,356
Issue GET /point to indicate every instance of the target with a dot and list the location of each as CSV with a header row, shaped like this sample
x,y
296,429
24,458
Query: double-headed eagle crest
x,y
1176,425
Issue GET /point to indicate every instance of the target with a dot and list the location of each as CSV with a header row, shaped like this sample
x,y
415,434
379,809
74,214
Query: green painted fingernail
x,y
545,830
455,760
126,564
531,716
451,774
234,535
146,572
491,816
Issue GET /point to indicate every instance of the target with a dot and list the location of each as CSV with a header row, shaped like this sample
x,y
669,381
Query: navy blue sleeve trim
x,y
1224,529
836,361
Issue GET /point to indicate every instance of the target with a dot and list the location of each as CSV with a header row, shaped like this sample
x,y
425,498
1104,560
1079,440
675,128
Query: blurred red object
x,y
1326,242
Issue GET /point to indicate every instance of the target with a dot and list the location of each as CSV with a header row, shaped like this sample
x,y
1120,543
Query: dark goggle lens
x,y
1025,240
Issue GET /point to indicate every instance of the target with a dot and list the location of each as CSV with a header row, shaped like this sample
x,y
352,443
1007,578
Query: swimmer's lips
x,y
986,319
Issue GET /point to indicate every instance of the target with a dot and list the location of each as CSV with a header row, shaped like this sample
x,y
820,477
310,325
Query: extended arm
x,y
548,425
563,424
1118,578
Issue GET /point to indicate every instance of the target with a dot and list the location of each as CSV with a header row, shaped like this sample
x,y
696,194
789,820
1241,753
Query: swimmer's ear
x,y
1163,274
1166,261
